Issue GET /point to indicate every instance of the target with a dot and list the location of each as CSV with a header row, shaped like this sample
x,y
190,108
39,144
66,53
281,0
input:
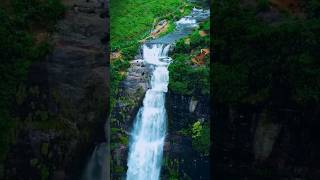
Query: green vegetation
x,y
196,129
43,169
132,21
200,134
172,166
201,137
116,67
263,63
187,77
312,8
34,13
20,19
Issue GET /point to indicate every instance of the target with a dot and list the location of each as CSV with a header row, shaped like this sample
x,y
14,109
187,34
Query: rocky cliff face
x,y
128,101
181,157
66,102
254,143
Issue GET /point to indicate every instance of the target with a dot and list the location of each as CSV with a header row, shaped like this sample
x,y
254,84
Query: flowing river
x,y
149,131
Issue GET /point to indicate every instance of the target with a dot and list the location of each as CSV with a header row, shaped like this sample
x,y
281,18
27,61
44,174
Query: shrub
x,y
201,137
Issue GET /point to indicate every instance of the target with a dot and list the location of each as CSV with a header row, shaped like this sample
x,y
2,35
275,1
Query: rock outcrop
x,y
67,100
128,101
131,94
179,151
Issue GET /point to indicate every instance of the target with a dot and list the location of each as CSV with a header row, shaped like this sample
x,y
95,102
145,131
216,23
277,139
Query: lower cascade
x,y
149,130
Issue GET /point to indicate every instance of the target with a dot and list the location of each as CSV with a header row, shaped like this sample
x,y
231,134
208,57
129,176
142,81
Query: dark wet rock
x,y
178,146
183,111
272,15
59,175
252,143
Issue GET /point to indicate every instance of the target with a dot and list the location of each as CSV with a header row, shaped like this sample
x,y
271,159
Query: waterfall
x,y
149,131
96,167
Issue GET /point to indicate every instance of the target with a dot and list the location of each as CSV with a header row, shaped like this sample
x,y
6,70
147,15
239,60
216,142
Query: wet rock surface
x,y
183,112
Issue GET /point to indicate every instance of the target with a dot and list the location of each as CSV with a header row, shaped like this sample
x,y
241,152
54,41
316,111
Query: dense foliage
x,y
18,49
132,20
37,13
187,77
262,62
201,137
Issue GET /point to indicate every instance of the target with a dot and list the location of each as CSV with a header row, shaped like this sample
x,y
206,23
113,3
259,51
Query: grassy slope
x,y
131,20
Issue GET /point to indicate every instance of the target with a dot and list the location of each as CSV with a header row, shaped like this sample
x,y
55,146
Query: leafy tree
x,y
260,62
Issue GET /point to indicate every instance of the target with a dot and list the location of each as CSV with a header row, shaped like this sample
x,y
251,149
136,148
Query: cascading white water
x,y
186,21
149,131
